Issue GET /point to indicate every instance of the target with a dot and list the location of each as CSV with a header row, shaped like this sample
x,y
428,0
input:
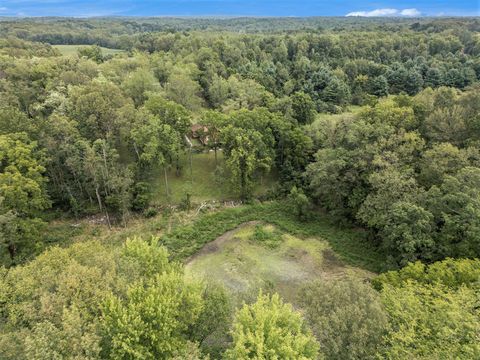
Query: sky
x,y
88,8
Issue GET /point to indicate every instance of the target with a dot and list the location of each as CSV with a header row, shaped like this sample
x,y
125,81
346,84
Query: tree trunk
x,y
166,180
108,218
105,160
177,166
243,179
99,199
12,249
191,167
136,150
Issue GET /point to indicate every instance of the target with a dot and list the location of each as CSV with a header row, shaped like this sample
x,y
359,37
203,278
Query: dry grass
x,y
244,265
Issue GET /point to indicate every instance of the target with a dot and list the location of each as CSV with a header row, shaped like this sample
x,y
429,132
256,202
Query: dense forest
x,y
129,144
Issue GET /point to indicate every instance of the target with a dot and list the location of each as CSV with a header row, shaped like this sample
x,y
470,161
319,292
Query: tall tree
x,y
271,329
22,190
214,122
245,153
303,108
156,142
346,316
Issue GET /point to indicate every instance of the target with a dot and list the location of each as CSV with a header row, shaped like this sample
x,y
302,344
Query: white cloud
x,y
3,9
385,12
376,12
410,12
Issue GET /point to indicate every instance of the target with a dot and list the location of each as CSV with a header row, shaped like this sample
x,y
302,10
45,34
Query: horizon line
x,y
235,16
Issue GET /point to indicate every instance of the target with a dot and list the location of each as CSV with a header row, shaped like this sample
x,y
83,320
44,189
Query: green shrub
x,y
268,238
150,212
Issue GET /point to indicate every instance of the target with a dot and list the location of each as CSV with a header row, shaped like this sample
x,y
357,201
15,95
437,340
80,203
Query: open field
x,y
258,255
72,49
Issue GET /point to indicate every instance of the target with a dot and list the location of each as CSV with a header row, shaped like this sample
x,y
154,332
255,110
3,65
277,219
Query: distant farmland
x,y
72,49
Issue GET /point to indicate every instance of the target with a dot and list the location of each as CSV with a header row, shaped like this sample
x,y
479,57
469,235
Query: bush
x,y
150,212
268,238
141,196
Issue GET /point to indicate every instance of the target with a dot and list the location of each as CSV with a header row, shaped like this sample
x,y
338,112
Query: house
x,y
199,132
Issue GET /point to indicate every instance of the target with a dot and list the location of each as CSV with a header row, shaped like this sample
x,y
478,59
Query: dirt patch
x,y
215,245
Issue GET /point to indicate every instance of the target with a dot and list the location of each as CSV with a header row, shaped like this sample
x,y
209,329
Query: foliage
x,y
22,192
89,133
303,108
432,310
452,273
300,203
267,237
91,52
211,329
50,305
455,206
270,329
151,320
431,321
346,317
246,152
389,172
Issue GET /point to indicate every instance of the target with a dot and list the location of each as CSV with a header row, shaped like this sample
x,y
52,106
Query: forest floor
x,y
257,255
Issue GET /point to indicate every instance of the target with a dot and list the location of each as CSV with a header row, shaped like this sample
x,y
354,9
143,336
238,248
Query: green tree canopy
x,y
270,329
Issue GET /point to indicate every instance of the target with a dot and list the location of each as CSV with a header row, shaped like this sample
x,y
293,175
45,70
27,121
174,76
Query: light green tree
x,y
50,305
151,322
22,190
271,329
433,311
138,84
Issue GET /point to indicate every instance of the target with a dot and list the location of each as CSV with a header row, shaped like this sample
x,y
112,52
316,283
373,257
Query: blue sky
x,y
239,8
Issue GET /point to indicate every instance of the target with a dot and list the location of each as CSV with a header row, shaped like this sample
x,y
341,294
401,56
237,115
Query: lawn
x,y
202,182
72,50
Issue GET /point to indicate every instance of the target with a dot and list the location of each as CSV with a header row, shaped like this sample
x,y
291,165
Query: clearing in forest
x,y
257,255
204,181
67,50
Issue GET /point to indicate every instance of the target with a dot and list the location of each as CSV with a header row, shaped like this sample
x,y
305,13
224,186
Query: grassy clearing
x,y
243,264
68,50
202,182
350,245
185,233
